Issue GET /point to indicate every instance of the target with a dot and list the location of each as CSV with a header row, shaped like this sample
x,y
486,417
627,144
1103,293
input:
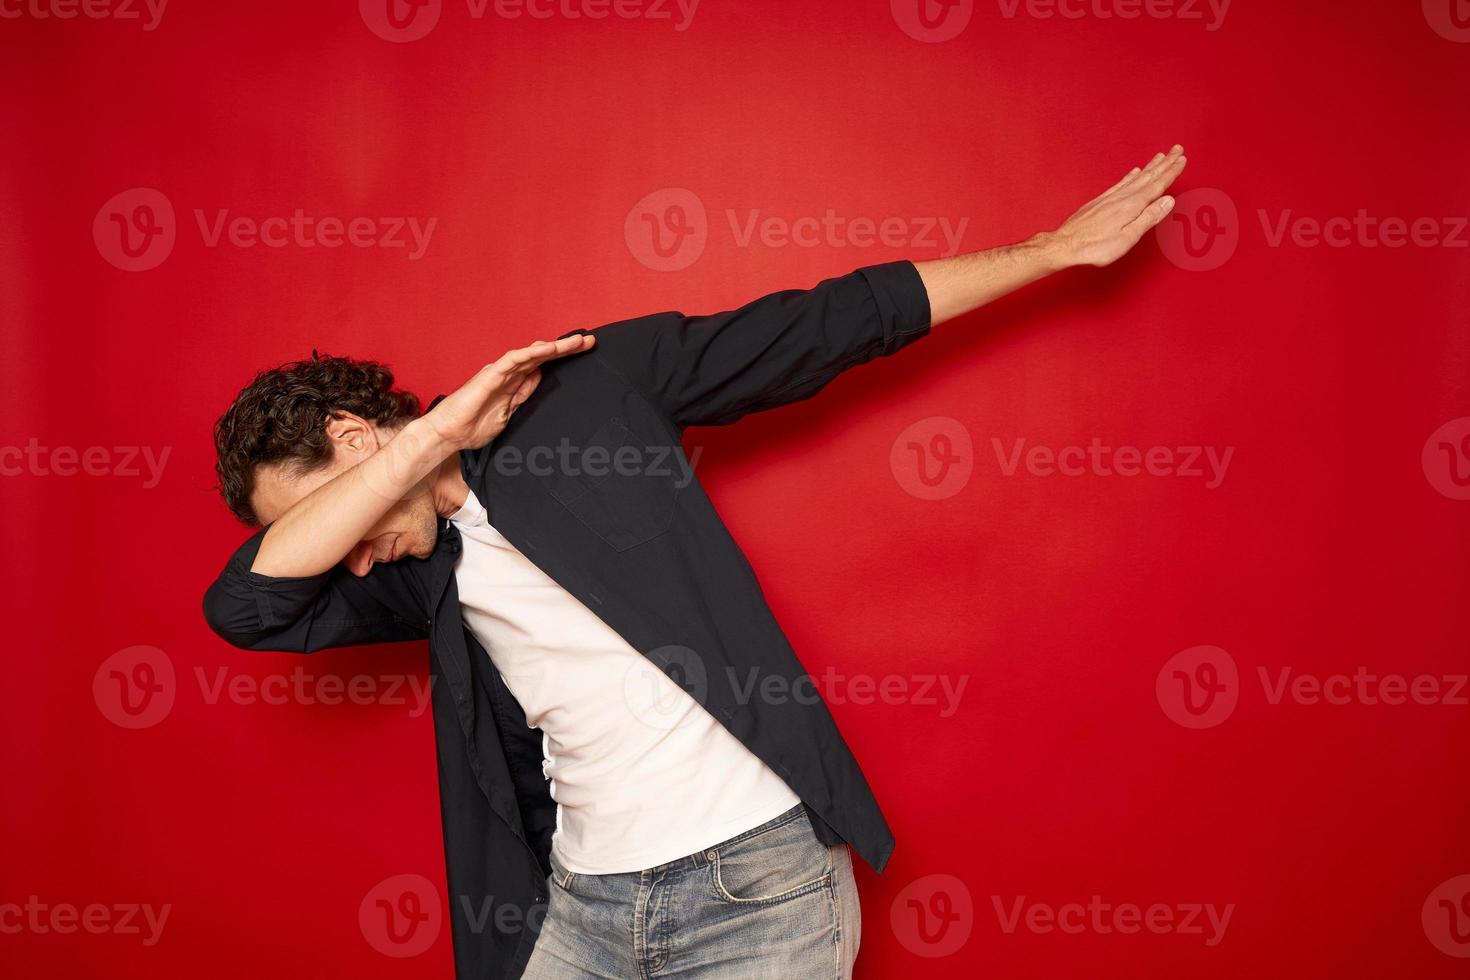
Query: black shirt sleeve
x,y
303,615
781,348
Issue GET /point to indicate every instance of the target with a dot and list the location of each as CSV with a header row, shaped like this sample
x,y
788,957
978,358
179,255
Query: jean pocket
x,y
774,866
620,488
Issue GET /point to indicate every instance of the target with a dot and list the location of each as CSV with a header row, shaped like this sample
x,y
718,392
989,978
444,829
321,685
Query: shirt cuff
x,y
903,302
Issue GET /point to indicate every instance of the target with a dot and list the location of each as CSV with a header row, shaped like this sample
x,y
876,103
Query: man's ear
x,y
352,436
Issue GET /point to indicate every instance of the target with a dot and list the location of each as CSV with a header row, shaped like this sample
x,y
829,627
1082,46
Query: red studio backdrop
x,y
1141,595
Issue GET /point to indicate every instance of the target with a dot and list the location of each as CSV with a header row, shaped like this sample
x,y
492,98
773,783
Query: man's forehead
x,y
278,486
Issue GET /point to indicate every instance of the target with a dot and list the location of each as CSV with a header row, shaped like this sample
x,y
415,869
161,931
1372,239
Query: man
x,y
615,802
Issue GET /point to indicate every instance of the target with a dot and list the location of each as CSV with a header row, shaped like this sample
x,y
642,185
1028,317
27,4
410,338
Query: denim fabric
x,y
771,902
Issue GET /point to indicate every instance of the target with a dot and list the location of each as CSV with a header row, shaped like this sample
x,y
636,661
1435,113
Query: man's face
x,y
411,525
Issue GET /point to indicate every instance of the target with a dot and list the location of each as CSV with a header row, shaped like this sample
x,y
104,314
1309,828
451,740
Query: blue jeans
x,y
771,902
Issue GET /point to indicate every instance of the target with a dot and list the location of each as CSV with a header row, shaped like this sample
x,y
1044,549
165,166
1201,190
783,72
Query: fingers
x,y
1159,174
1126,178
1150,216
527,388
1147,171
525,358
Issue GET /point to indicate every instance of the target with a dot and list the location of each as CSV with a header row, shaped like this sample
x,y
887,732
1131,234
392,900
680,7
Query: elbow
x,y
234,619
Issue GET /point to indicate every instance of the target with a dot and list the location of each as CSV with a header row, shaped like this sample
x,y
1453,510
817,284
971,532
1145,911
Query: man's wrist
x,y
422,445
1053,251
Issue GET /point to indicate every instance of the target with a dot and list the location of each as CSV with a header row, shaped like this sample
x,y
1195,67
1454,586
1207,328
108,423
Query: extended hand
x,y
480,410
1105,228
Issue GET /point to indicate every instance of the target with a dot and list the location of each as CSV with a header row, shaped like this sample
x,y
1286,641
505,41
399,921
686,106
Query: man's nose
x,y
359,560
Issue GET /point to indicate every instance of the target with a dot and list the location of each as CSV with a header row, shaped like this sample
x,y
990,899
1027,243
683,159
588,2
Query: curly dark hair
x,y
282,416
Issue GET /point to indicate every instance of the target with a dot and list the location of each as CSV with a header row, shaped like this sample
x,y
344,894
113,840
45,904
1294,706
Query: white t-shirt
x,y
641,773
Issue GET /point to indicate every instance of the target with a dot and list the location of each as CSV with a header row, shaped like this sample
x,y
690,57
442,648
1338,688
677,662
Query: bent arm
x,y
306,614
320,529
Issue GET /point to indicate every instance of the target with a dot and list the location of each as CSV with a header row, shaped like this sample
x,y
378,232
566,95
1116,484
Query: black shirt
x,y
624,529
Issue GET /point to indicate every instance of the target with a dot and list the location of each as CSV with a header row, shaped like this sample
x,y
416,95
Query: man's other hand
x,y
475,414
1104,229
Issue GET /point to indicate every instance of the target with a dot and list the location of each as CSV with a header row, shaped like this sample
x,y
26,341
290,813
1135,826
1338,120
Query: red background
x,y
1060,777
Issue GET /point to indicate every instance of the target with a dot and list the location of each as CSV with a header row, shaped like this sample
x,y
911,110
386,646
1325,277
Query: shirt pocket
x,y
619,487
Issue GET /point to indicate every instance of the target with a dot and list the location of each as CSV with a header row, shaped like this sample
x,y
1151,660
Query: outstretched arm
x,y
781,348
1100,233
